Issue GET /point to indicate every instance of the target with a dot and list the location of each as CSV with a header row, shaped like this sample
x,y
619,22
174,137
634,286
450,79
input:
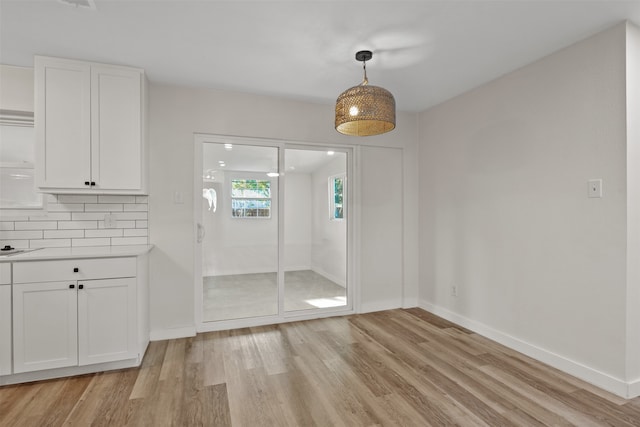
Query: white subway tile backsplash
x,y
77,225
132,215
7,225
17,244
6,217
116,199
120,241
25,234
73,198
108,232
43,225
78,220
103,207
63,234
52,216
51,198
66,207
85,216
129,207
119,224
136,232
50,243
126,224
91,242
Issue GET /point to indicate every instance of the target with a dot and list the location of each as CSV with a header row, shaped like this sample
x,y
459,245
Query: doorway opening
x,y
273,231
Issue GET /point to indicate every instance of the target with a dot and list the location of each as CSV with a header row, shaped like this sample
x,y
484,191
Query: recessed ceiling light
x,y
330,153
84,4
273,174
228,147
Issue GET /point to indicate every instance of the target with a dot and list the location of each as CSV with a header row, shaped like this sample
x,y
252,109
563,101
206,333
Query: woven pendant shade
x,y
365,110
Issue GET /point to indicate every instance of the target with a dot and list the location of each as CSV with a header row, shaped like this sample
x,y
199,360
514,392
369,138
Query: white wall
x,y
329,249
298,212
175,114
16,88
239,245
382,240
633,208
504,213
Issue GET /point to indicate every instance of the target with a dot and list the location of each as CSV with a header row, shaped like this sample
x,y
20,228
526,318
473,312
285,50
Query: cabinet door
x,y
44,326
116,133
62,122
5,329
106,320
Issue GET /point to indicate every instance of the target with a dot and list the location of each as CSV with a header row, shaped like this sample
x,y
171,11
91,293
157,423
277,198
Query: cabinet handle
x,y
75,270
93,183
72,286
87,183
80,286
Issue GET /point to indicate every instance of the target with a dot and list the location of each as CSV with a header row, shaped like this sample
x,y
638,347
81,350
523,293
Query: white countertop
x,y
79,252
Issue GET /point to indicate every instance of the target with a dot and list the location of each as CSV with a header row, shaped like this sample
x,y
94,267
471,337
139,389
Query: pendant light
x,y
365,110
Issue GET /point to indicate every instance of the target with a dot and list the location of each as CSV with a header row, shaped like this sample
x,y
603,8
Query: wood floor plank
x,y
149,371
393,368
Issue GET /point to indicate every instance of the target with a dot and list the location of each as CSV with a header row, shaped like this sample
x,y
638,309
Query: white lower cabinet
x,y
45,332
5,320
106,320
82,319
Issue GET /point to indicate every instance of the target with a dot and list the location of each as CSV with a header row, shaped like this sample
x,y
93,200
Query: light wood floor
x,y
399,367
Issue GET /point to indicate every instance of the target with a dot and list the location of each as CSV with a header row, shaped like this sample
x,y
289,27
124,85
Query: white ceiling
x,y
424,51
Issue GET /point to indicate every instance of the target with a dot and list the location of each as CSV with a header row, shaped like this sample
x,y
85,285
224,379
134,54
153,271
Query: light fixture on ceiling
x,y
365,110
83,4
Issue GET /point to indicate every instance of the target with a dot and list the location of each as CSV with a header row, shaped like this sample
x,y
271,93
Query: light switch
x,y
595,188
178,199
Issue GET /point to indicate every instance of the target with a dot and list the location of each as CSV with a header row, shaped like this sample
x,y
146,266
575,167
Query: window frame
x,y
332,203
270,199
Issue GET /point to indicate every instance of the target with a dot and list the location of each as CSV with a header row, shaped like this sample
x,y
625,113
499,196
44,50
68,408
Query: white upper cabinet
x,y
90,127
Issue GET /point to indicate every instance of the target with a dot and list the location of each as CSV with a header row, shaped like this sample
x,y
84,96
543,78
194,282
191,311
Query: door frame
x,y
353,283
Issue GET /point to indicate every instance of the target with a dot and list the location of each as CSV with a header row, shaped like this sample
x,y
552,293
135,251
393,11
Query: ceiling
x,y
425,52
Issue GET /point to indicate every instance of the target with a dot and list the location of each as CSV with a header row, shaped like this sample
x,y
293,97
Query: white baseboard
x,y
370,307
585,373
410,303
634,389
173,333
69,371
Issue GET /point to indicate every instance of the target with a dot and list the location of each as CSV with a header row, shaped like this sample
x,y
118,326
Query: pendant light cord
x,y
364,67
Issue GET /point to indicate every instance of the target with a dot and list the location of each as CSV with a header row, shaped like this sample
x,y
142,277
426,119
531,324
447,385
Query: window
x,y
250,198
336,197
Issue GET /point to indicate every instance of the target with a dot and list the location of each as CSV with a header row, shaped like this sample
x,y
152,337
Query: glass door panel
x,y
315,229
240,241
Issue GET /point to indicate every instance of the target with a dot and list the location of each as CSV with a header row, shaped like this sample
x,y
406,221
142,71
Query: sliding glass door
x,y
315,232
240,238
272,231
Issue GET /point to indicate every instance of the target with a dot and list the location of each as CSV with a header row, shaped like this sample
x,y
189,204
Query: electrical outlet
x,y
454,290
595,188
110,221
